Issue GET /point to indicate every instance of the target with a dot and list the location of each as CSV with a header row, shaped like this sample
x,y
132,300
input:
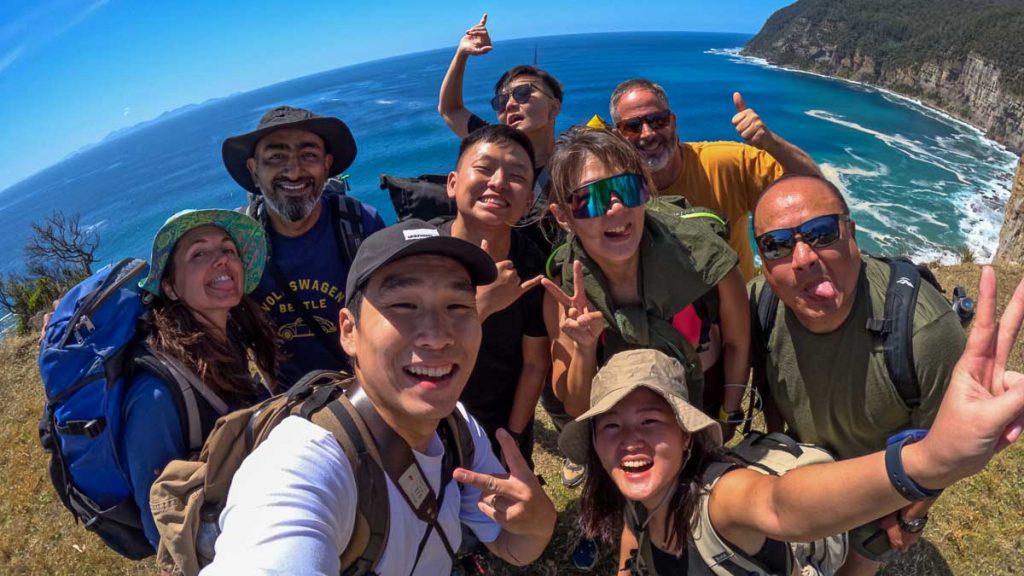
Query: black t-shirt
x,y
491,389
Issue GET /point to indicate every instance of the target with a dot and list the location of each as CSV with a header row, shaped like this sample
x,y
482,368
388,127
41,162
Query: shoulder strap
x,y
764,308
399,463
183,384
370,535
347,220
896,329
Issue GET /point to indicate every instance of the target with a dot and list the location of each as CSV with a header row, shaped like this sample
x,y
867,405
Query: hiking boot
x,y
584,555
573,474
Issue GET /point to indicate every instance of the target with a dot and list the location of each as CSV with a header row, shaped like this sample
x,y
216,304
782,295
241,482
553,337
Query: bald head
x,y
794,190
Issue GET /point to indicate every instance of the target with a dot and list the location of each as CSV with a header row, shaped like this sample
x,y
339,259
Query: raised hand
x,y
749,125
516,502
579,321
983,409
505,290
476,41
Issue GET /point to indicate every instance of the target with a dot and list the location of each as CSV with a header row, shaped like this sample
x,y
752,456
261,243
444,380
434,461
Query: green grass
x,y
976,527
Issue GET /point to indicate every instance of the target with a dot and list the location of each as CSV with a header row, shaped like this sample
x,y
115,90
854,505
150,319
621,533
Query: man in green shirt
x,y
825,370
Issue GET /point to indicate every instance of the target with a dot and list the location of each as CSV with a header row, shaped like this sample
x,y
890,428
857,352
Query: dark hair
x,y
635,84
578,143
603,508
550,82
844,207
221,363
354,302
498,134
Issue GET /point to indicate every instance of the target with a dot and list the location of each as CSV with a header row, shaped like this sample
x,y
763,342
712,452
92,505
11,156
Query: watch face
x,y
913,526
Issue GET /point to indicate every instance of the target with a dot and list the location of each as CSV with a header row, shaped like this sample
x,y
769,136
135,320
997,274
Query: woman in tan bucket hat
x,y
653,457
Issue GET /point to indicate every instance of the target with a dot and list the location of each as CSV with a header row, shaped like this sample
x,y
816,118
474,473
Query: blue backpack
x,y
91,347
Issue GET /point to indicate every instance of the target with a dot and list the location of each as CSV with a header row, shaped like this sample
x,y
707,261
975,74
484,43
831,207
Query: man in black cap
x,y
411,327
286,164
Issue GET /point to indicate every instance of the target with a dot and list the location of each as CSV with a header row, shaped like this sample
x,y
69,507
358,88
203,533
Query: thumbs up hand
x,y
749,125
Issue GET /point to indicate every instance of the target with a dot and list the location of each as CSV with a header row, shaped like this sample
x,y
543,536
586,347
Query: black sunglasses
x,y
816,233
521,93
634,126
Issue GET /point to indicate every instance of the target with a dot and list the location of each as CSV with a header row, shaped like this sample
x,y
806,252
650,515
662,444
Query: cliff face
x,y
1011,237
970,87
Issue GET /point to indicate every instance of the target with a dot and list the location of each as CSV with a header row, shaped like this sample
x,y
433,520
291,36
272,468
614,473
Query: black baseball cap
x,y
410,238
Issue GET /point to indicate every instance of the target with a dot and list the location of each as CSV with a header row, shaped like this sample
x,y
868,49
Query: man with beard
x,y
313,237
727,177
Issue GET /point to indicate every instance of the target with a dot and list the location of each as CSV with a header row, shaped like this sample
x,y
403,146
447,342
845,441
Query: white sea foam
x,y
384,102
984,177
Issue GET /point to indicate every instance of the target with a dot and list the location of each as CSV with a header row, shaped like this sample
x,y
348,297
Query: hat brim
x,y
246,233
478,264
338,141
575,439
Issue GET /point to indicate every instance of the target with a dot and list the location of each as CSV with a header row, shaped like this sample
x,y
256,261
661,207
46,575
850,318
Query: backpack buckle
x,y
880,327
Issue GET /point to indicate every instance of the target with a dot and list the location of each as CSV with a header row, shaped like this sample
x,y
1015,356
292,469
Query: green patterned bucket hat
x,y
247,234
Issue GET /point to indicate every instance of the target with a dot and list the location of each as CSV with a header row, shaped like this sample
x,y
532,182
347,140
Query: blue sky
x,y
72,71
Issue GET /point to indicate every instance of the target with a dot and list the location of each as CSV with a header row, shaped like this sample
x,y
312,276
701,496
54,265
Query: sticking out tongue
x,y
822,289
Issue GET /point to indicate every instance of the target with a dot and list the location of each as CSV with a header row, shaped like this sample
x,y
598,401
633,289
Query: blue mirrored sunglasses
x,y
594,199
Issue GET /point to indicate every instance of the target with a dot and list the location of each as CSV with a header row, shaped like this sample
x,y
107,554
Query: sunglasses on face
x,y
635,126
521,94
594,199
816,233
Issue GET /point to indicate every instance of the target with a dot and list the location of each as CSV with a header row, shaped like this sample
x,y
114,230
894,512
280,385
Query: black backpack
x,y
896,329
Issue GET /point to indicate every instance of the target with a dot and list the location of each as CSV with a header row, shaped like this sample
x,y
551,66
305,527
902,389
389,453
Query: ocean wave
x,y
384,102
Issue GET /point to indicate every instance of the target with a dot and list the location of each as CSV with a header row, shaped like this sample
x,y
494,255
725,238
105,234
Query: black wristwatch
x,y
911,526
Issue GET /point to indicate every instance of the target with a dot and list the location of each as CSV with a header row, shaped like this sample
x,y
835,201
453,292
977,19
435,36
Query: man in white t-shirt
x,y
411,327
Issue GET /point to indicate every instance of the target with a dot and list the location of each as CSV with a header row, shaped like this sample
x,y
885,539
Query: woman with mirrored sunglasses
x,y
634,274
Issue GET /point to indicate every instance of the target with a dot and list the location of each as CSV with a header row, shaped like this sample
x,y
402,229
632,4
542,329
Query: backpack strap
x,y
347,222
184,386
399,463
764,309
370,534
896,329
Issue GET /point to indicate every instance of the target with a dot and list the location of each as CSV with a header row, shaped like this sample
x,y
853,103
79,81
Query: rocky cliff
x,y
1011,237
936,57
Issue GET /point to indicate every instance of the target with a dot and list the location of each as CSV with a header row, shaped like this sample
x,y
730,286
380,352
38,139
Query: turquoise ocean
x,y
919,182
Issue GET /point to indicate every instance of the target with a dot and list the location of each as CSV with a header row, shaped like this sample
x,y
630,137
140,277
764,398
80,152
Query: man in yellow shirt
x,y
727,177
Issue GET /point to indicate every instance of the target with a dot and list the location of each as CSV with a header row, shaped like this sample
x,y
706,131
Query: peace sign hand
x,y
983,409
516,502
505,290
579,321
477,40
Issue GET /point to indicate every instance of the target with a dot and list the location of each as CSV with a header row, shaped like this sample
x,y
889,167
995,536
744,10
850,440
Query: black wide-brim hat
x,y
337,138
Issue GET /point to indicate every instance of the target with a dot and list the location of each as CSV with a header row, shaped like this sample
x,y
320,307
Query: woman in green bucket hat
x,y
204,330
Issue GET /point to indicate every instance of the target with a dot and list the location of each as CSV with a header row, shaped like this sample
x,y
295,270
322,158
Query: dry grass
x,y
976,527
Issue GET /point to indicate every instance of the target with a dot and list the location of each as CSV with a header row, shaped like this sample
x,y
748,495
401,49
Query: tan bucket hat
x,y
624,373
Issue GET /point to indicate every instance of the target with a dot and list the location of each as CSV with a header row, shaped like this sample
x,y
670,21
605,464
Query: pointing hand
x,y
476,41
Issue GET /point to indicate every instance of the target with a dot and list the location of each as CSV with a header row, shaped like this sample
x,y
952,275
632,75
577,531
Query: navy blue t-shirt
x,y
316,270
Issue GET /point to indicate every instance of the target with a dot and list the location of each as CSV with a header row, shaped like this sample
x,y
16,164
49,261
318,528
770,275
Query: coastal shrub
x,y
58,255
